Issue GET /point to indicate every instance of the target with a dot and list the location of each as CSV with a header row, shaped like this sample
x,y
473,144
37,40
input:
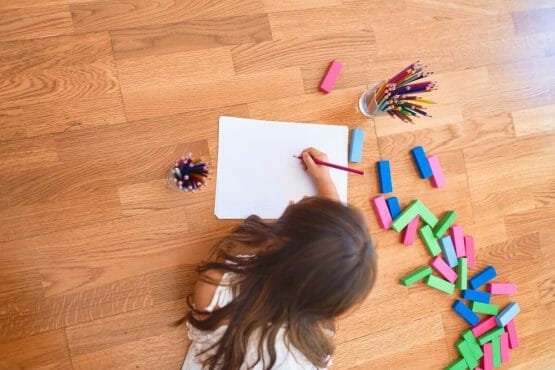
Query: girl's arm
x,y
320,174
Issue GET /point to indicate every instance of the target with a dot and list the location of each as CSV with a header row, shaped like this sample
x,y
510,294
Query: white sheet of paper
x,y
257,173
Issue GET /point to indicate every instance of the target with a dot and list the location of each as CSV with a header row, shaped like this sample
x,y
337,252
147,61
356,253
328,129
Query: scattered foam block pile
x,y
487,341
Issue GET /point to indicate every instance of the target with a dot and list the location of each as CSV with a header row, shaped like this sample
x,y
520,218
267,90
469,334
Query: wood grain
x,y
17,24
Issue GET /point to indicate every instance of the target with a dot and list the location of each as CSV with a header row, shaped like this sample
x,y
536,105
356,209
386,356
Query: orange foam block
x,y
437,174
380,207
331,75
409,234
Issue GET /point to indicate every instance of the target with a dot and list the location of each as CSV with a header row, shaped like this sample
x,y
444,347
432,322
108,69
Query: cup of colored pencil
x,y
396,96
188,174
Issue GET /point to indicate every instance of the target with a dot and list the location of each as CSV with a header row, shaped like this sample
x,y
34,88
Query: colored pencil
x,y
332,165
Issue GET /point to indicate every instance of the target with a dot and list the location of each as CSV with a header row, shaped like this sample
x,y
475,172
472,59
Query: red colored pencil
x,y
336,166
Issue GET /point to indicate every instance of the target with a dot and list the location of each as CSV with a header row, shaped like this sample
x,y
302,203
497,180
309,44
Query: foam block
x,y
444,224
483,326
439,284
448,251
384,177
469,249
382,212
462,272
496,351
414,276
502,288
508,313
458,364
458,240
466,313
513,336
430,242
504,348
426,215
487,360
476,296
487,308
466,353
331,76
415,208
472,343
409,234
437,174
356,145
393,206
421,161
443,268
487,337
482,277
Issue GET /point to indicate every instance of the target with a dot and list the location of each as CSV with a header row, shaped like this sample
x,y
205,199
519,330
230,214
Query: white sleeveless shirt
x,y
287,356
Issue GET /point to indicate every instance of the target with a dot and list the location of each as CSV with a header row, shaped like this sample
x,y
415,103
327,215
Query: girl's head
x,y
310,266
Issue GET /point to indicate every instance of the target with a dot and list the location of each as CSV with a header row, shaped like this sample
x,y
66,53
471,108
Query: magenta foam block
x,y
409,234
504,348
502,288
513,337
331,75
458,240
487,360
469,249
443,268
380,207
437,174
484,326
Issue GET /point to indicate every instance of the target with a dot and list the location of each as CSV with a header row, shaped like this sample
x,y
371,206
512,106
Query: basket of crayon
x,y
188,174
396,95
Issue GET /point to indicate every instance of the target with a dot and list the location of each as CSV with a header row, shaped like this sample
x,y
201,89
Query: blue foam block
x,y
482,277
357,142
421,161
507,314
384,176
466,313
394,207
476,296
448,251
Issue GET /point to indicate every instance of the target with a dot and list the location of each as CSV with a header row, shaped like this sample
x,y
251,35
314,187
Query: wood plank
x,y
30,317
534,21
190,35
25,284
534,120
18,24
120,14
108,332
285,5
28,154
43,351
11,130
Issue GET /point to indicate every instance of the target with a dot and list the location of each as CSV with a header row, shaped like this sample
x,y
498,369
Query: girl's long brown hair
x,y
310,266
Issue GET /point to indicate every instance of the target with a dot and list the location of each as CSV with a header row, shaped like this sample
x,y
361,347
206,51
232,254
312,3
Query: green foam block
x,y
415,208
430,241
473,344
488,337
487,308
445,222
462,274
440,284
496,351
416,275
467,354
458,364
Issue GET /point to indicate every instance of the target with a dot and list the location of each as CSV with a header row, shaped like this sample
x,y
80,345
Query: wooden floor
x,y
97,98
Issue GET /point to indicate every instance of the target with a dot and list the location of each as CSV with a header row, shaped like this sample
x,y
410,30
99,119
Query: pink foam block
x,y
504,348
409,234
331,76
380,207
478,368
513,337
469,249
484,326
487,360
458,239
437,174
502,288
443,268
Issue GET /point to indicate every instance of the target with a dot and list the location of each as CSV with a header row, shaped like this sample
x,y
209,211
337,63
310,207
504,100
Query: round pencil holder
x,y
188,174
368,104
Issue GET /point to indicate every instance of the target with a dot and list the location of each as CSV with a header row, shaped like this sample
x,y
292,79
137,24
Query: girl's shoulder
x,y
205,289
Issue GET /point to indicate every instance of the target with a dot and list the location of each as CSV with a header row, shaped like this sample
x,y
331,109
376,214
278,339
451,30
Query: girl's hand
x,y
320,174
